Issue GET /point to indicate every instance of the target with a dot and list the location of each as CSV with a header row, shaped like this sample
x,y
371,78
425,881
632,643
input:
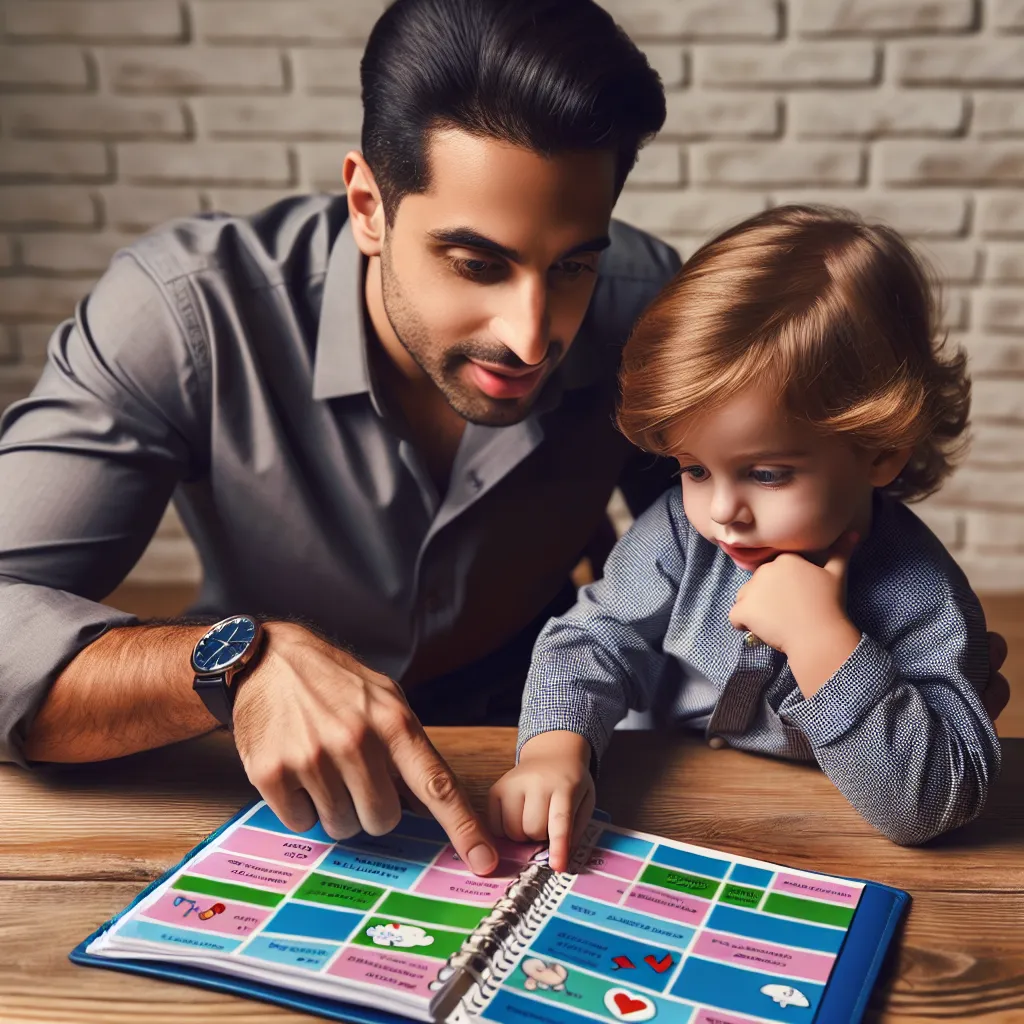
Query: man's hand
x,y
799,608
548,795
321,736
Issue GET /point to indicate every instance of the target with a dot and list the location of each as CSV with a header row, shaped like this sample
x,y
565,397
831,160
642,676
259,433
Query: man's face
x,y
486,277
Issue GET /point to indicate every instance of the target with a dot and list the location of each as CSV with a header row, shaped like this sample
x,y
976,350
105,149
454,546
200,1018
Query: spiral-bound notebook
x,y
375,930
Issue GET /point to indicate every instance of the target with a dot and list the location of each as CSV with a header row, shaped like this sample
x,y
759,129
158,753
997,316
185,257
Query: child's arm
x,y
899,729
589,667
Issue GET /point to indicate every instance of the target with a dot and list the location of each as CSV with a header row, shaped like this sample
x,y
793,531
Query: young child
x,y
785,596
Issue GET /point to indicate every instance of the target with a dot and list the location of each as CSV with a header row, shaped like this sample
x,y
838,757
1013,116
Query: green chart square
x,y
421,909
741,896
680,881
333,891
808,910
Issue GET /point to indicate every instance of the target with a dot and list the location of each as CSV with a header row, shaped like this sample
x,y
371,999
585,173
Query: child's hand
x,y
799,608
548,795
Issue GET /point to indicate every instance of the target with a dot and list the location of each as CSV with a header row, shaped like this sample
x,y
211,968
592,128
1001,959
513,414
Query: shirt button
x,y
716,743
752,640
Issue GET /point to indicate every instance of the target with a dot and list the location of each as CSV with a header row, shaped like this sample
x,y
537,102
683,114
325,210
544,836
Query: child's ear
x,y
888,465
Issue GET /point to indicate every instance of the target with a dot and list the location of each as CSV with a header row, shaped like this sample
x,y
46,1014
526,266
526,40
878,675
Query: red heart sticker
x,y
627,1004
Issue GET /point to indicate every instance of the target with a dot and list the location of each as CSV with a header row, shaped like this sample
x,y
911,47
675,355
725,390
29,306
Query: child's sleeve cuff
x,y
857,685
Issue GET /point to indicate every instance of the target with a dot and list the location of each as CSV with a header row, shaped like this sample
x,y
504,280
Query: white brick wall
x,y
118,114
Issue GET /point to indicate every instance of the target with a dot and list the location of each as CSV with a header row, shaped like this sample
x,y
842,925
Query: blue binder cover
x,y
845,998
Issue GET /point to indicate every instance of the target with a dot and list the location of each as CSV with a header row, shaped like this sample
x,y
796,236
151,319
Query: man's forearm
x,y
130,690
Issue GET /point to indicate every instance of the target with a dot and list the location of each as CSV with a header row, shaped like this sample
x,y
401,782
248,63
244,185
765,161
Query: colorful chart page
x,y
371,919
656,930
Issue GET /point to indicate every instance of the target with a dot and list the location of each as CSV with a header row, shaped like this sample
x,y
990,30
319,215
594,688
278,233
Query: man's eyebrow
x,y
470,239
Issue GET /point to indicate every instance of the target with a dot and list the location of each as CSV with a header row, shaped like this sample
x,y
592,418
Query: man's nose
x,y
523,324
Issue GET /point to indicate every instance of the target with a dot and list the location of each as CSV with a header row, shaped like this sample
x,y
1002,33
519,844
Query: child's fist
x,y
548,795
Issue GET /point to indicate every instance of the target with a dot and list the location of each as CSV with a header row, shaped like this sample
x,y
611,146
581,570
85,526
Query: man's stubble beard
x,y
442,368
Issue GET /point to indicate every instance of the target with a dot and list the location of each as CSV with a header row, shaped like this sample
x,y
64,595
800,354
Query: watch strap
x,y
215,694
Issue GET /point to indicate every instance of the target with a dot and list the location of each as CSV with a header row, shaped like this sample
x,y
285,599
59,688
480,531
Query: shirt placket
x,y
737,706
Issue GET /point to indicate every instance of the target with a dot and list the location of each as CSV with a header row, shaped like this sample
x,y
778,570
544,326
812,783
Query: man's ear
x,y
365,208
888,465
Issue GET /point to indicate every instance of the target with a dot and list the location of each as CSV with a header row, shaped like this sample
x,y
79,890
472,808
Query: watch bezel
x,y
238,661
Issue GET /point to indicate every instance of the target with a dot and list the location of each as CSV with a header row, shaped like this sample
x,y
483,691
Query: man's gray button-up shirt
x,y
221,362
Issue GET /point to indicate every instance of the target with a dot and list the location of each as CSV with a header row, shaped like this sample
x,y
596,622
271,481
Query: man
x,y
388,416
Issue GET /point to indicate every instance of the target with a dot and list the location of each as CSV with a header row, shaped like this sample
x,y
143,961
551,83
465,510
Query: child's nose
x,y
727,507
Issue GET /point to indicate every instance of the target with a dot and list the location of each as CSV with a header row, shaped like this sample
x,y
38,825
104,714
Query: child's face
x,y
757,482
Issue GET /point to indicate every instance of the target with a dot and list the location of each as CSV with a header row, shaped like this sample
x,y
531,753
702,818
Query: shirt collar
x,y
341,362
340,365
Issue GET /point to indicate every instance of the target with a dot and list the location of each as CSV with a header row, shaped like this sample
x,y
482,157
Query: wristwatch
x,y
219,660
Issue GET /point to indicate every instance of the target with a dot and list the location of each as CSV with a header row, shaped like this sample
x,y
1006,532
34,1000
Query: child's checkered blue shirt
x,y
899,728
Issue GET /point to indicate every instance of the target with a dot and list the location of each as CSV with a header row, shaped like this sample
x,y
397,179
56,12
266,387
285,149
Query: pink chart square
x,y
764,956
707,1016
602,887
287,849
450,861
617,864
206,913
244,871
412,975
512,856
664,903
463,886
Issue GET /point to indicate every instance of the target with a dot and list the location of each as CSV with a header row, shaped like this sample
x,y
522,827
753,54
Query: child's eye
x,y
771,477
696,473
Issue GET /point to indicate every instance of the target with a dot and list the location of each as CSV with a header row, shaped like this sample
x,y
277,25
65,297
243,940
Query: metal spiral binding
x,y
472,975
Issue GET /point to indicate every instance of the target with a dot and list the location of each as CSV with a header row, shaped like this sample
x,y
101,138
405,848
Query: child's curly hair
x,y
832,313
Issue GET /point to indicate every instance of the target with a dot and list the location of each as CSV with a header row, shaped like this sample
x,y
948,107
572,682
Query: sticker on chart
x,y
193,908
543,975
625,1005
402,935
785,995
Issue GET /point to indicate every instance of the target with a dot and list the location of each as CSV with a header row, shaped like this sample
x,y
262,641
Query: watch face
x,y
224,645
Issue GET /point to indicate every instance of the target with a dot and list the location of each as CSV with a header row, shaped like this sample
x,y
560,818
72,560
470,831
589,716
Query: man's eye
x,y
695,472
771,476
474,269
572,268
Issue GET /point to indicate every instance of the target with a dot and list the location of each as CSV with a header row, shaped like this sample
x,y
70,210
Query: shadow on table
x,y
199,767
1002,820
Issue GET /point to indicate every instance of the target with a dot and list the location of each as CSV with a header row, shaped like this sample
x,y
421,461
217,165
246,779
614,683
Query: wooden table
x,y
77,843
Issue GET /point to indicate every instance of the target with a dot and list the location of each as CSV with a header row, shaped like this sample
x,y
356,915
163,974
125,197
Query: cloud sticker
x,y
403,935
785,995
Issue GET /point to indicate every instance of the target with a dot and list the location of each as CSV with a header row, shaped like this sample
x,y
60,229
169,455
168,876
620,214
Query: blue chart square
x,y
313,922
647,965
743,874
630,845
710,867
508,1008
264,817
741,991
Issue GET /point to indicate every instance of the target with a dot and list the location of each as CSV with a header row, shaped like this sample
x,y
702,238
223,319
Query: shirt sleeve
x,y
901,730
605,656
87,465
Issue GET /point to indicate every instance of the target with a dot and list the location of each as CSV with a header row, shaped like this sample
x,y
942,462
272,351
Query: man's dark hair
x,y
548,75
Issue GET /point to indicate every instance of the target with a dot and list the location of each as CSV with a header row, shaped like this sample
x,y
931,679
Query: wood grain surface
x,y
77,843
